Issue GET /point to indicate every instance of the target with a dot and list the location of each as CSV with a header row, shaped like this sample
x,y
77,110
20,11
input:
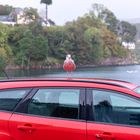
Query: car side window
x,y
10,98
62,103
115,107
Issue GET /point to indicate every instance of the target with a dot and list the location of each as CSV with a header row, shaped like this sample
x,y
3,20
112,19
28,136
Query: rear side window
x,y
62,103
117,108
10,98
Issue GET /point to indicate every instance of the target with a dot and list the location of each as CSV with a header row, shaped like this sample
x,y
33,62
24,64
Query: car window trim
x,y
23,106
89,105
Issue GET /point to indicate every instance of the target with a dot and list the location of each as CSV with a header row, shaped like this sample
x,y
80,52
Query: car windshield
x,y
53,38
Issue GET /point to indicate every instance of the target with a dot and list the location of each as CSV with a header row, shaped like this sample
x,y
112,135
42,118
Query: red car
x,y
69,109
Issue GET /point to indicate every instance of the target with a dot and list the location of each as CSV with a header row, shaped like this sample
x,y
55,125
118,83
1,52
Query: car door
x,y
8,101
112,116
52,113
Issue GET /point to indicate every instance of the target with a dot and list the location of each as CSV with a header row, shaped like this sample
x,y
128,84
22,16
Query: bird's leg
x,y
69,73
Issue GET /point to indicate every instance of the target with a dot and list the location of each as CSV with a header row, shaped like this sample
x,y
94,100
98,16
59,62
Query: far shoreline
x,y
61,67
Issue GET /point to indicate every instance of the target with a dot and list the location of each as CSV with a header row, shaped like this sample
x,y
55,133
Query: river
x,y
129,73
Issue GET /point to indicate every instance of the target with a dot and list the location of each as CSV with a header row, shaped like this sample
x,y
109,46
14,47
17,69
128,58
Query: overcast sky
x,y
67,10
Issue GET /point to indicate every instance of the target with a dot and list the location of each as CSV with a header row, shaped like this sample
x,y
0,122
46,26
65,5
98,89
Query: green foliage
x,y
51,61
138,31
30,45
137,51
89,39
31,14
3,59
110,19
5,50
121,52
122,28
56,40
15,35
106,16
34,47
5,9
128,31
110,42
3,35
36,28
95,42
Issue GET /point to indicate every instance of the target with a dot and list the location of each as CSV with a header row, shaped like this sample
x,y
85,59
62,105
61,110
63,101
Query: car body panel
x,y
47,128
99,131
4,125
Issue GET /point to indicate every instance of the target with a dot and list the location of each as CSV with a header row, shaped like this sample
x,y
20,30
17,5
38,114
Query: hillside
x,y
137,52
90,39
138,31
136,22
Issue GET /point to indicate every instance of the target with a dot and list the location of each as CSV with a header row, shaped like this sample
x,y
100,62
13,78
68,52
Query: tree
x,y
4,32
36,28
3,59
3,35
32,48
89,39
94,40
76,44
5,9
110,20
111,47
47,2
106,16
56,41
31,14
97,9
5,50
127,31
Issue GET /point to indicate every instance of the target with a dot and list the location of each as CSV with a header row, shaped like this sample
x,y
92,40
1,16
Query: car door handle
x,y
105,136
26,127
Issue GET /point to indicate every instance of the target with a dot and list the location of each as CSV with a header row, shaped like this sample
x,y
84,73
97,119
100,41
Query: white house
x,y
16,16
129,45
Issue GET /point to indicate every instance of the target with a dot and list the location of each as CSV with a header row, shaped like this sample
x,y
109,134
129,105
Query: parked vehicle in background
x,y
69,109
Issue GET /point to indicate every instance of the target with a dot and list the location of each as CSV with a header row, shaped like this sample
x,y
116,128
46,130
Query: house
x,y
15,17
129,45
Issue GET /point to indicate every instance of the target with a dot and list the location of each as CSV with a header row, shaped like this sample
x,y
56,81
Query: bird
x,y
69,64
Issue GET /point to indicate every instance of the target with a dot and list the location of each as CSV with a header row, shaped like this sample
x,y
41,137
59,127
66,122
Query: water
x,y
129,73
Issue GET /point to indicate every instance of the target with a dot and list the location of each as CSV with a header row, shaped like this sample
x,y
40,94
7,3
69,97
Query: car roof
x,y
113,82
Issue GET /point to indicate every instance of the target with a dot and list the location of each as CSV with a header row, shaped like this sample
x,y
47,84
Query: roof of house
x,y
17,10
